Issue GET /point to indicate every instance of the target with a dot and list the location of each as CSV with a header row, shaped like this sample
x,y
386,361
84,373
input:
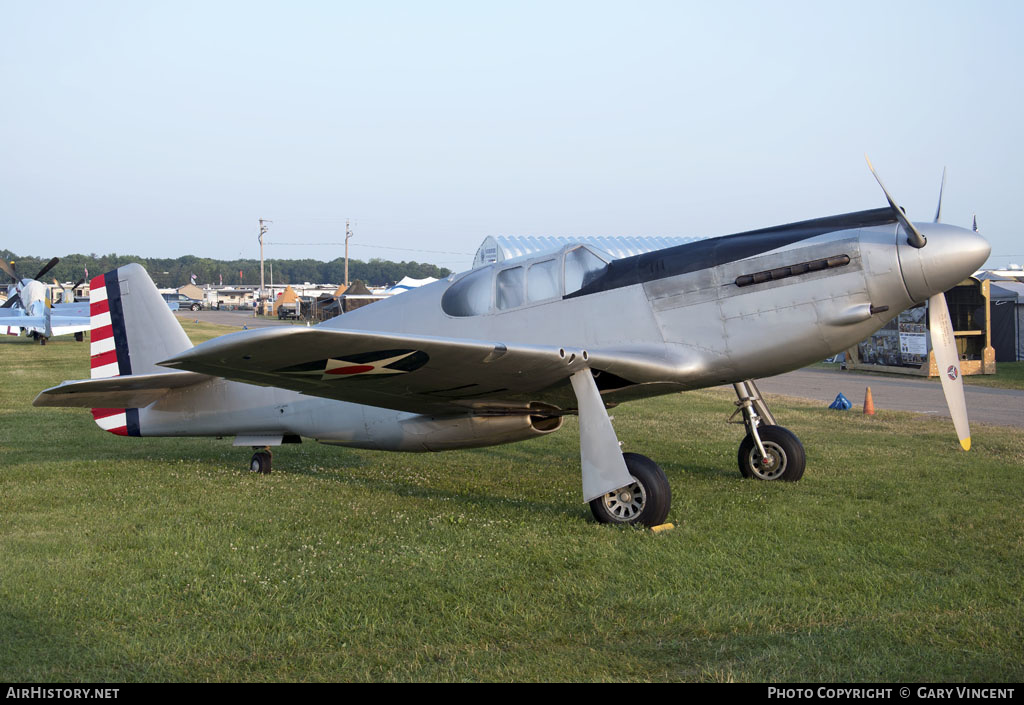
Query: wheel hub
x,y
770,467
626,503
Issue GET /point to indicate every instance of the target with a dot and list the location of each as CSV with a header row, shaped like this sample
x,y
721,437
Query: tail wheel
x,y
786,459
645,501
260,463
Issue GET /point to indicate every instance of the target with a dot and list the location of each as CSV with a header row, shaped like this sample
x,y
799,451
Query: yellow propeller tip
x,y
965,443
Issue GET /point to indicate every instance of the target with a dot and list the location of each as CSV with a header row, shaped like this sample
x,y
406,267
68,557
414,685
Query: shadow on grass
x,y
58,651
513,467
475,499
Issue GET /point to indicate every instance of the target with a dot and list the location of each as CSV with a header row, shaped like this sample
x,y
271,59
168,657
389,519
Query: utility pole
x,y
348,235
263,231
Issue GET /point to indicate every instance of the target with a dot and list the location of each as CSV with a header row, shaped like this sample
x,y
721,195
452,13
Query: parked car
x,y
179,301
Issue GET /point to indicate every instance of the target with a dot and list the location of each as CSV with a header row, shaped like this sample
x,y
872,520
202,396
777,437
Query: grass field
x,y
897,558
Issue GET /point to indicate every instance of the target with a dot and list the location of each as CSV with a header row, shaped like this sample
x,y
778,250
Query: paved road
x,y
236,319
1002,407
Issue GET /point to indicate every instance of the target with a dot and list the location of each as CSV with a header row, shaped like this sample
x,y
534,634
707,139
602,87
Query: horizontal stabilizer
x,y
133,391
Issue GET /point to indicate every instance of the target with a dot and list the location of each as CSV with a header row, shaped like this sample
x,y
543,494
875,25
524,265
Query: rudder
x,y
131,329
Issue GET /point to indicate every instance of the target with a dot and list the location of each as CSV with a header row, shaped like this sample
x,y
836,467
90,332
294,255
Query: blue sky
x,y
169,128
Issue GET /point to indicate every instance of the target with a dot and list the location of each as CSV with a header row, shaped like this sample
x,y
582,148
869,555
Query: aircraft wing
x,y
422,374
78,309
78,313
59,325
62,325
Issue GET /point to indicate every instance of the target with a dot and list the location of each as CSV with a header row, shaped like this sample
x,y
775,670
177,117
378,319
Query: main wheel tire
x,y
646,501
79,337
260,463
786,458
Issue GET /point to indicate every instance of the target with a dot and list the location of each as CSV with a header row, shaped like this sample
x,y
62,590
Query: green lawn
x,y
898,557
1009,375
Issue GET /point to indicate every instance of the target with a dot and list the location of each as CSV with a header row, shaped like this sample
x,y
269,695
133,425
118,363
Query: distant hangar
x,y
498,248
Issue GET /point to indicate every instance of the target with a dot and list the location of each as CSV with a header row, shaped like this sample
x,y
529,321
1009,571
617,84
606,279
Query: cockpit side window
x,y
509,290
543,281
471,295
484,290
581,267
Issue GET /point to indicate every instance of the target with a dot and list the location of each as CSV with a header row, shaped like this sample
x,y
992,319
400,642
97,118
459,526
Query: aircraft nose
x,y
950,255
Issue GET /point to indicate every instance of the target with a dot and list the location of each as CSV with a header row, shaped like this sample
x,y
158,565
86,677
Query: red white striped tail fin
x,y
102,345
132,330
108,350
117,421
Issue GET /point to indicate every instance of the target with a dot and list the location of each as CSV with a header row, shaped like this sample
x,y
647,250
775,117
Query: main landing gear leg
x,y
621,488
768,452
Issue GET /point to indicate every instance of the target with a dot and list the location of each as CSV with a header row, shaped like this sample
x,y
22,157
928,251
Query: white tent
x,y
408,283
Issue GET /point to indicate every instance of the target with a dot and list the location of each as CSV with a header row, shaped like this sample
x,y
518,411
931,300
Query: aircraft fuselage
x,y
702,314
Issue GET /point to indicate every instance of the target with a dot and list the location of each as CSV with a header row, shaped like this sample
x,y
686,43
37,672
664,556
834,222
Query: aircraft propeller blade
x,y
914,236
47,267
948,362
73,287
9,270
11,301
942,187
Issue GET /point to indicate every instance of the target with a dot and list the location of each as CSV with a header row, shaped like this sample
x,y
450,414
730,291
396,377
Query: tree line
x,y
170,273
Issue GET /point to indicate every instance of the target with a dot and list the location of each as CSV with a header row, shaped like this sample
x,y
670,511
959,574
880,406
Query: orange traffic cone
x,y
869,403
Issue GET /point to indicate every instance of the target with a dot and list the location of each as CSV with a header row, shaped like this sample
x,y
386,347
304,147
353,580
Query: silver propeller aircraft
x,y
28,308
503,352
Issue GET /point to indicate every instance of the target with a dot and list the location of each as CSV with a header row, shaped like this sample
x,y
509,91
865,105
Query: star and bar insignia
x,y
380,362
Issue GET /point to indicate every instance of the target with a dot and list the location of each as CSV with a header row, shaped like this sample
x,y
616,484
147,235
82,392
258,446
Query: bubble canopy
x,y
524,282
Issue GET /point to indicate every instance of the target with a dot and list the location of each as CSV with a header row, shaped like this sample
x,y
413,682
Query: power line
x,y
379,247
